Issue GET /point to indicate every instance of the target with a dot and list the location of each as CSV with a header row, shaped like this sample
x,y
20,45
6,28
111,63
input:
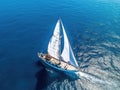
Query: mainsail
x,y
54,46
54,43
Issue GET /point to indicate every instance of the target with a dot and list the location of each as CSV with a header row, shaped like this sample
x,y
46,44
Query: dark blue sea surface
x,y
93,28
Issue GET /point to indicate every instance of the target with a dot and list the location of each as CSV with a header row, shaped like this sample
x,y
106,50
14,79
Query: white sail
x,y
55,42
67,53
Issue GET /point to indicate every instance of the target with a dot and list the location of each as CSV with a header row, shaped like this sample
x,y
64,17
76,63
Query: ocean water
x,y
93,28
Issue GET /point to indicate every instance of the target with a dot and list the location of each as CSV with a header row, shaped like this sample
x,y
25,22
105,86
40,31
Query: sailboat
x,y
58,58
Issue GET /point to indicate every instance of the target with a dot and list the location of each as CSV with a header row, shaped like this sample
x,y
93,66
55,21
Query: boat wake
x,y
93,79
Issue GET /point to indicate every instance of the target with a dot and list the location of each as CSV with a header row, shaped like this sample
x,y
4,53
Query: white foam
x,y
90,77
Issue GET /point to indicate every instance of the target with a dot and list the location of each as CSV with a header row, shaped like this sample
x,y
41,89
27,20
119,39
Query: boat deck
x,y
58,63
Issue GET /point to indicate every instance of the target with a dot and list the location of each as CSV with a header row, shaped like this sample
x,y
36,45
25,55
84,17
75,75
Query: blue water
x,y
93,27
